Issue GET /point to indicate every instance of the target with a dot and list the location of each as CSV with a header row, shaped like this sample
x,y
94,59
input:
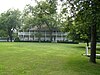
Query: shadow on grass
x,y
98,49
80,47
83,47
82,66
98,57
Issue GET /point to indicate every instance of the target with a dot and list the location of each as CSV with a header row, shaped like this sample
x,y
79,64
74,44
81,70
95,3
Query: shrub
x,y
17,39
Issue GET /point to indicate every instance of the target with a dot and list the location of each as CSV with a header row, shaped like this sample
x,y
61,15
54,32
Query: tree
x,y
33,18
43,14
49,14
10,20
90,9
3,33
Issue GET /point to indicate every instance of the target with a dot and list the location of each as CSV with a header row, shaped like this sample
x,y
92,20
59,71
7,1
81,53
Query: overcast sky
x,y
20,4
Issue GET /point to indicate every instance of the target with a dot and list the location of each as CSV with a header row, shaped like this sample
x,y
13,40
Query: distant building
x,y
42,35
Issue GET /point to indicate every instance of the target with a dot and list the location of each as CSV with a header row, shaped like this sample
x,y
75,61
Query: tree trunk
x,y
11,38
93,33
93,44
51,36
10,35
50,29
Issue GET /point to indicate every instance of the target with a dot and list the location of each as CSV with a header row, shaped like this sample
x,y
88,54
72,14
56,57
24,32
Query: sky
x,y
17,4
20,4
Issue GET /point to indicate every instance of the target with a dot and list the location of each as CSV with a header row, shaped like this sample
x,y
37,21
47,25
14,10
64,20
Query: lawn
x,y
45,59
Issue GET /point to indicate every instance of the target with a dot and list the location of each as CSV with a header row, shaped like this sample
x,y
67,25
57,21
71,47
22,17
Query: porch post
x,y
23,34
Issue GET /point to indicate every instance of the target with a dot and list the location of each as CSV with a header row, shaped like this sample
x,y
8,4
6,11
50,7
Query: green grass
x,y
45,59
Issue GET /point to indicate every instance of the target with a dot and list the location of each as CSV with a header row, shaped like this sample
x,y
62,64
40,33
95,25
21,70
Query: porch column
x,y
56,36
23,34
34,35
29,34
45,35
18,34
62,36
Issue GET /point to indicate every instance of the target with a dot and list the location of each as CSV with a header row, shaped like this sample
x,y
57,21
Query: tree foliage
x,y
43,14
9,21
86,15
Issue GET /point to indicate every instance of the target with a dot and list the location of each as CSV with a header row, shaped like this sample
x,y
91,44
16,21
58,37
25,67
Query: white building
x,y
43,34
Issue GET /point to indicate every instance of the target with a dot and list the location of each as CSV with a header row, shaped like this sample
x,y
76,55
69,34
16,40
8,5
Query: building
x,y
42,35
